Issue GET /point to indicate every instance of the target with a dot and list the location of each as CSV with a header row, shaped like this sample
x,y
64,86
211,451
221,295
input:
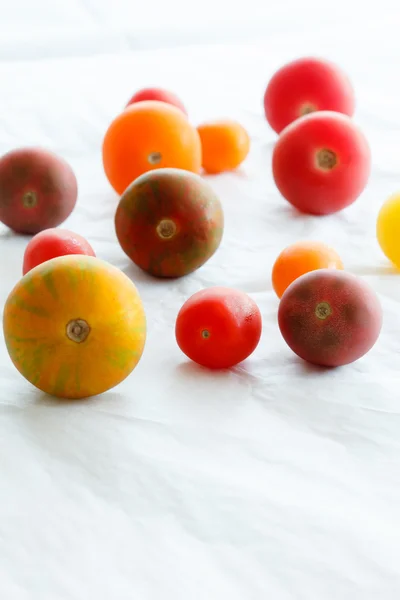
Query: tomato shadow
x,y
10,234
134,273
137,275
43,399
7,233
306,368
188,371
290,211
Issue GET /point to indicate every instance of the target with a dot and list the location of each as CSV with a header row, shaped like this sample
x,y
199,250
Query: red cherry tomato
x,y
218,327
51,243
321,162
157,94
303,86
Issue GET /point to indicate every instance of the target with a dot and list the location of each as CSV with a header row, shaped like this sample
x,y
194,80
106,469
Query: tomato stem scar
x,y
29,199
154,158
307,108
326,159
323,310
166,229
77,330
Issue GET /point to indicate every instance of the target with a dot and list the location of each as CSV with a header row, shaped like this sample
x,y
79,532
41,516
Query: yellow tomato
x,y
388,228
74,326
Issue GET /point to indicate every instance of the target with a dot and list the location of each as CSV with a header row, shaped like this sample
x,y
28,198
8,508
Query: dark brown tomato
x,y
38,190
169,222
330,317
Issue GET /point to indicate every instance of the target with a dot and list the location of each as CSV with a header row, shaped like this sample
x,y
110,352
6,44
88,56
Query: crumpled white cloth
x,y
275,480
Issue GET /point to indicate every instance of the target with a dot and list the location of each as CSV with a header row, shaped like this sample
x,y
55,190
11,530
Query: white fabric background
x,y
275,480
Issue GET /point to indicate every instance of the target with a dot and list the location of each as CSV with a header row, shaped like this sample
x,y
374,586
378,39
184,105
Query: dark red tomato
x,y
321,163
38,190
330,317
51,243
218,327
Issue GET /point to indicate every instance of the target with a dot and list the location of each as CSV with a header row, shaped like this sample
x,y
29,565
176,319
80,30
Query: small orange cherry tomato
x,y
149,135
225,145
300,258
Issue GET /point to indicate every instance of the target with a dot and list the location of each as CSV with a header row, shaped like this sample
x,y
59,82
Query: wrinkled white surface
x,y
275,480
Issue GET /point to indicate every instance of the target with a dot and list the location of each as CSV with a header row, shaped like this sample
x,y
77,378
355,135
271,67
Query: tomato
x,y
51,243
300,258
38,189
306,85
330,317
225,145
218,327
321,163
149,135
388,229
169,222
159,94
74,326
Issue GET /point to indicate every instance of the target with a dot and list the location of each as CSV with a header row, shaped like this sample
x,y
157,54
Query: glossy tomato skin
x,y
51,243
300,258
321,163
306,85
330,317
160,94
218,327
146,136
225,145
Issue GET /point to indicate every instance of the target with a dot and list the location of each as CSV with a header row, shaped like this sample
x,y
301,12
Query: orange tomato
x,y
74,326
225,145
300,258
149,135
